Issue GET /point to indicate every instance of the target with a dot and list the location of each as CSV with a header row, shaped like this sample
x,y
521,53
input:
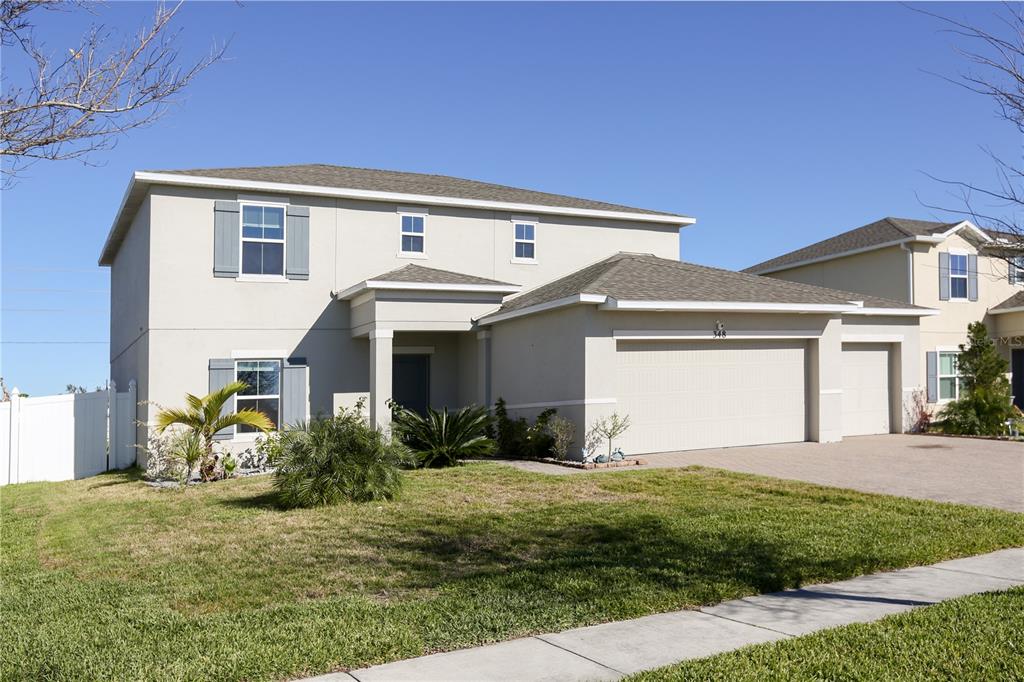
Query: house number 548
x,y
719,329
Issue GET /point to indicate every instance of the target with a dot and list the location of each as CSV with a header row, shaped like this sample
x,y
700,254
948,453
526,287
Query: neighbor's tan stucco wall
x,y
882,272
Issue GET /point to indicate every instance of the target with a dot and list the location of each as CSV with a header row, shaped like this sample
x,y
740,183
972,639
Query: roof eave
x,y
1003,311
372,284
732,306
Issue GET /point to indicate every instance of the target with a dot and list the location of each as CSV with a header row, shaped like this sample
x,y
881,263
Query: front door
x,y
1017,367
410,382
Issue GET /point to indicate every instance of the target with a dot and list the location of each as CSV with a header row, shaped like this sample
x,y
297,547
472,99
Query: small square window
x,y
413,237
524,241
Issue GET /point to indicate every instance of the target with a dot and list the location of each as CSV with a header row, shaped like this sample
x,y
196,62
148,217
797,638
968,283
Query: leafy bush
x,y
985,404
330,459
441,439
518,439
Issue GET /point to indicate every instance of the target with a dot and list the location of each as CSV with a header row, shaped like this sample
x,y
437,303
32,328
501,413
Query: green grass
x,y
980,637
107,578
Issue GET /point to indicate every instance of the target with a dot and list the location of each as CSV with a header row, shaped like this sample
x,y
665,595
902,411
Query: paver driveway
x,y
970,471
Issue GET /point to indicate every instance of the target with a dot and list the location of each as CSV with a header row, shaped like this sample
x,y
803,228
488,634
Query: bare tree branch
x,y
84,101
995,70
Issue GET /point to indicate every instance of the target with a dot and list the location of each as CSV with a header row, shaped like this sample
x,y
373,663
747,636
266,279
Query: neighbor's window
x,y
526,244
263,388
412,234
957,275
262,240
1017,268
949,376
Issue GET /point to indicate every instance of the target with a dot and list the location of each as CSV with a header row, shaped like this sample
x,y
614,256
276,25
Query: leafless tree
x,y
81,102
995,69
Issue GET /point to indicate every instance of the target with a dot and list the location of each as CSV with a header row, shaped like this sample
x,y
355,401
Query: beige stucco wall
x,y
948,329
882,272
163,289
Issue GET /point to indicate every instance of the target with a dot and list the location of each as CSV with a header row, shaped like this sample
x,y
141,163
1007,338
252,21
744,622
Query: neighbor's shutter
x,y
225,238
222,373
943,276
972,277
932,362
294,394
297,246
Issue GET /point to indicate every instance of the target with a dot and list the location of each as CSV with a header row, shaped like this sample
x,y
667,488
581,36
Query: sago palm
x,y
441,439
203,417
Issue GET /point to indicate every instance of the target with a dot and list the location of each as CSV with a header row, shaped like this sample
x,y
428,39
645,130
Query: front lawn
x,y
980,637
107,578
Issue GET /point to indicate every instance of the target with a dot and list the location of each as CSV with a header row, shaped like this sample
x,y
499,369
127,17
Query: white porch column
x,y
381,341
483,368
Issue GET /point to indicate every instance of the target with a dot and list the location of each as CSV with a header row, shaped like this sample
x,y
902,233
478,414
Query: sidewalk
x,y
612,650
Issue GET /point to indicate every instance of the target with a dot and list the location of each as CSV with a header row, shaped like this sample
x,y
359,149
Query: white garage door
x,y
683,395
865,388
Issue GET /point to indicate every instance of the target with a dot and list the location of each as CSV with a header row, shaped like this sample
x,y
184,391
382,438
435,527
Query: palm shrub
x,y
442,439
985,404
203,418
331,459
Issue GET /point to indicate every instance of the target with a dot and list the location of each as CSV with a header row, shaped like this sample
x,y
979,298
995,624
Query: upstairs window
x,y
958,276
525,241
949,376
263,389
413,234
262,240
1017,270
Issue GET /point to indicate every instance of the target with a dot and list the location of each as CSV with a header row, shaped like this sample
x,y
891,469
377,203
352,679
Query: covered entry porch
x,y
423,348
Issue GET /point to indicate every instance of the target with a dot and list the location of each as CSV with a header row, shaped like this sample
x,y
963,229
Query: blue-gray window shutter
x,y
943,276
972,277
297,243
294,394
932,364
222,373
226,238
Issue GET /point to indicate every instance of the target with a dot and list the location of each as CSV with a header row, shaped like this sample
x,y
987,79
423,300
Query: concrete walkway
x,y
984,473
613,650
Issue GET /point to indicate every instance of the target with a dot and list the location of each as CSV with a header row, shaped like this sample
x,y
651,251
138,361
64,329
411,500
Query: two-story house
x,y
966,273
319,285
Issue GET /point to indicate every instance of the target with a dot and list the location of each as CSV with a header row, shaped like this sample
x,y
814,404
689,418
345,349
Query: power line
x,y
59,291
51,342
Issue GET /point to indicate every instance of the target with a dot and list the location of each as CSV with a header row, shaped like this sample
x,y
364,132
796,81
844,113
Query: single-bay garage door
x,y
865,388
684,395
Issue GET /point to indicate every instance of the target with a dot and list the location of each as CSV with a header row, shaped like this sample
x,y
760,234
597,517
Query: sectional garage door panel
x,y
865,388
685,395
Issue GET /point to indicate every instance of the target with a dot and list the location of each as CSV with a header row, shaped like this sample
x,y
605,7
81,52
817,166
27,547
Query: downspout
x,y
910,272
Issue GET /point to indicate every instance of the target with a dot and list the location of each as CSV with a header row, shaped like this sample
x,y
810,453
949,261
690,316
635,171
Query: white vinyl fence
x,y
65,437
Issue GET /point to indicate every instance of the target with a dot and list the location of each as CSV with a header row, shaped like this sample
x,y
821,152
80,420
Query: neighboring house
x,y
965,273
320,285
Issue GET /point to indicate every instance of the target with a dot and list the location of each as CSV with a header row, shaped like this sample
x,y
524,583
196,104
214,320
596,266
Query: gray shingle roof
x,y
1015,301
324,175
638,277
418,273
874,234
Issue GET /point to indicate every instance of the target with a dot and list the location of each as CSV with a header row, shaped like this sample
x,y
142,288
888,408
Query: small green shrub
x,y
984,405
442,439
330,459
518,439
563,433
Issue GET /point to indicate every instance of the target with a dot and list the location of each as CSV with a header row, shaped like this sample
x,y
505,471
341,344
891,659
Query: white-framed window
x,y
524,240
263,228
263,389
958,276
949,375
413,236
1017,270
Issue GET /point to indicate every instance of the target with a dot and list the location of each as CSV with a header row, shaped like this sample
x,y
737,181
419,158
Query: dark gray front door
x,y
410,381
1017,367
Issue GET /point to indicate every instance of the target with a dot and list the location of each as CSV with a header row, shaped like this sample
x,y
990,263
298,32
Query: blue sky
x,y
775,125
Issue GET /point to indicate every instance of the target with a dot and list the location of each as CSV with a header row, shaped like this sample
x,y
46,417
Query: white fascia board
x,y
403,198
368,284
896,312
1001,311
708,335
491,318
964,225
733,306
117,218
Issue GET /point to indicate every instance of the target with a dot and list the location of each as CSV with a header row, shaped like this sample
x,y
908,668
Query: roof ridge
x,y
896,225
